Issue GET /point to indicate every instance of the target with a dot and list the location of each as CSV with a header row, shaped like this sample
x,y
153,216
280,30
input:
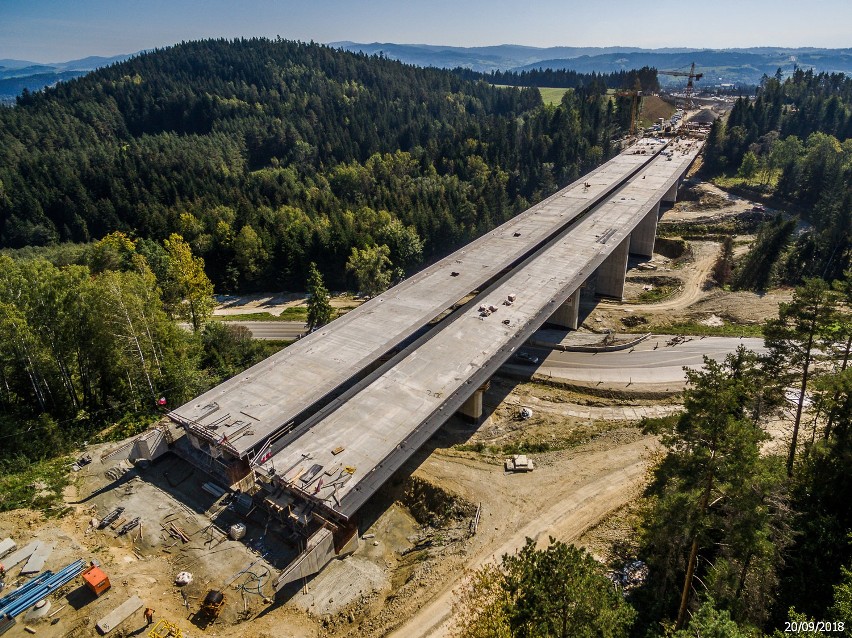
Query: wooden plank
x,y
118,615
37,559
20,555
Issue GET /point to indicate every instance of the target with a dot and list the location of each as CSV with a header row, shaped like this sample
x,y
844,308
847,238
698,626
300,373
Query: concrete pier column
x,y
472,408
671,195
643,236
612,272
568,314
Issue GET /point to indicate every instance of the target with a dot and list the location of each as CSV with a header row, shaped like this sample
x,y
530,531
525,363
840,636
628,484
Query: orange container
x,y
96,580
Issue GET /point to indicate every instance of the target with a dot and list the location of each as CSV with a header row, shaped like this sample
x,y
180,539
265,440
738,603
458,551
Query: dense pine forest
x,y
644,79
267,155
793,142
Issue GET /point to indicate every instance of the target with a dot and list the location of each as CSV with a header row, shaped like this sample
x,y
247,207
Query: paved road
x,y
652,361
267,330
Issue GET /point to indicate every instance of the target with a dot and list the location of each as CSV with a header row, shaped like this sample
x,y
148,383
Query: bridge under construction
x,y
315,430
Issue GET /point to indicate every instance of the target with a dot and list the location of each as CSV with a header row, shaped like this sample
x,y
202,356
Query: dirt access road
x,y
567,494
694,279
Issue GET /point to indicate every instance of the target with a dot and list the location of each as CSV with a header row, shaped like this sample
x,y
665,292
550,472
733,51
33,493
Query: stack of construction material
x,y
38,588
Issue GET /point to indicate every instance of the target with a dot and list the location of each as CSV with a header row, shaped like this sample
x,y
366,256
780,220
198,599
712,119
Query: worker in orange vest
x,y
149,615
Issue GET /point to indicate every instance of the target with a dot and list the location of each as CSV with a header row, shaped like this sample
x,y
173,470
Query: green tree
x,y
724,266
793,337
188,291
371,267
841,610
749,166
709,622
822,502
229,349
710,489
406,247
557,592
249,253
114,252
320,311
754,270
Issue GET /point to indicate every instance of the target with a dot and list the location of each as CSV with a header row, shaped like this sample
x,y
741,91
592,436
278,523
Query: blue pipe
x,y
22,590
43,589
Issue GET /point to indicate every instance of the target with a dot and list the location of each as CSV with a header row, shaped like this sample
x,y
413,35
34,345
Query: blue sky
x,y
56,30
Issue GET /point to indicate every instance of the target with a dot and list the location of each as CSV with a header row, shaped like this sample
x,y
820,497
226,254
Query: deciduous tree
x,y
187,291
371,267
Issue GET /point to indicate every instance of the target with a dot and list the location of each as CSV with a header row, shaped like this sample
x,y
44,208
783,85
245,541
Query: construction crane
x,y
634,106
693,76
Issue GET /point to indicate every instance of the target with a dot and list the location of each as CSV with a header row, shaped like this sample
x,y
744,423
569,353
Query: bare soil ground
x,y
416,540
689,295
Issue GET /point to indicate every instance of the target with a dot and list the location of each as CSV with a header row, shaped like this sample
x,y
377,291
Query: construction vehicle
x,y
692,75
210,609
519,463
96,579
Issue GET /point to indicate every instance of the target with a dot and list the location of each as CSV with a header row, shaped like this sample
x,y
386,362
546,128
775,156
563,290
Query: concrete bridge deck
x,y
239,416
375,428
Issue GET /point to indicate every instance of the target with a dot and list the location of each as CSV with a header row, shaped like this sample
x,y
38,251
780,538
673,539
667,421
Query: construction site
x,y
389,438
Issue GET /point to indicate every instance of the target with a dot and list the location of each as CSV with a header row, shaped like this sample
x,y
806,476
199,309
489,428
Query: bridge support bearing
x,y
643,236
568,314
613,271
671,195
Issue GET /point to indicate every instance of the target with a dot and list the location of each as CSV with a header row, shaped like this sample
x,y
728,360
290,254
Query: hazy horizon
x,y
52,31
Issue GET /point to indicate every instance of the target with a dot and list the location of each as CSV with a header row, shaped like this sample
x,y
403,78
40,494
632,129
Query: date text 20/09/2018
x,y
810,626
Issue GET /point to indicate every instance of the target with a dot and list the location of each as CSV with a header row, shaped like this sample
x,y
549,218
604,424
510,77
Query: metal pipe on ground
x,y
43,589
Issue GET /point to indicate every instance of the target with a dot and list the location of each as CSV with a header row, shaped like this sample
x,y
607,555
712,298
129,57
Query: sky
x,y
59,30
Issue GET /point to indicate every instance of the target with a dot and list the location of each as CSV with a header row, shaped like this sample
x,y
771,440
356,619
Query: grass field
x,y
294,313
762,181
551,95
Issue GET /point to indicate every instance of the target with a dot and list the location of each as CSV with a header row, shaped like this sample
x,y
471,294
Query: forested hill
x,y
266,155
644,79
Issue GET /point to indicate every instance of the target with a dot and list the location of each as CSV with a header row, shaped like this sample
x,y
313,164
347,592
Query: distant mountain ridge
x,y
17,75
720,66
736,65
